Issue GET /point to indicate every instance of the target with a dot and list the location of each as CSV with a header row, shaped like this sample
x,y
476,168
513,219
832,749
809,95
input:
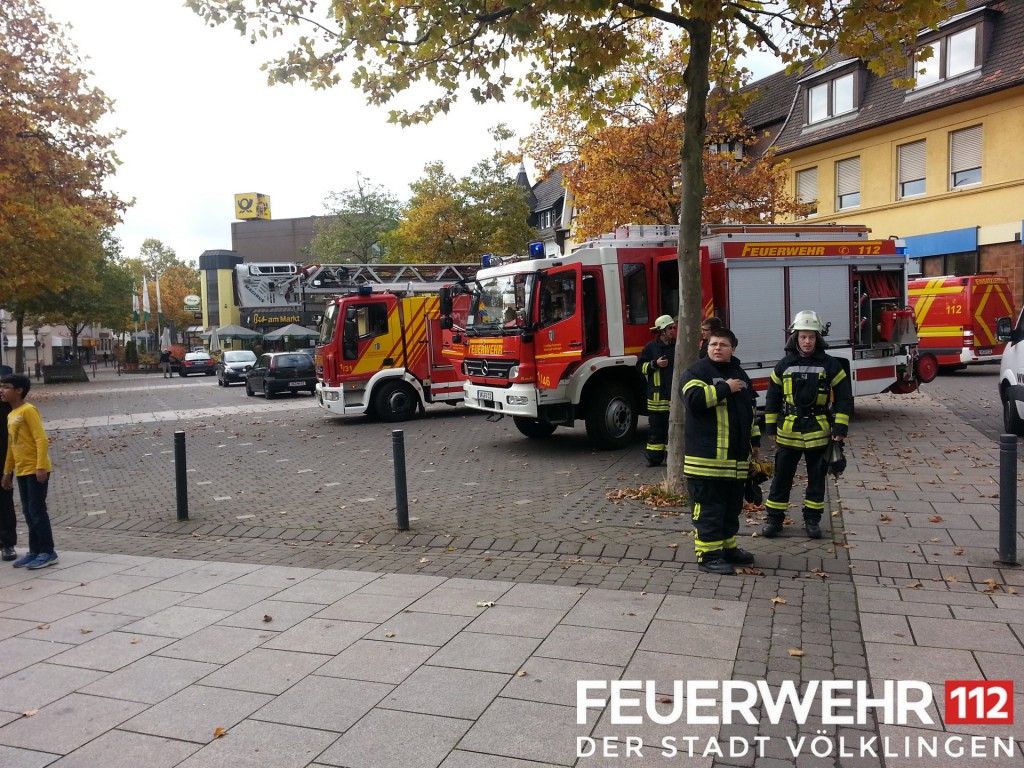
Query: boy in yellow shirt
x,y
28,457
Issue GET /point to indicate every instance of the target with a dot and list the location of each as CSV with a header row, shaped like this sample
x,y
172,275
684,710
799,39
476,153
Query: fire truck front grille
x,y
491,369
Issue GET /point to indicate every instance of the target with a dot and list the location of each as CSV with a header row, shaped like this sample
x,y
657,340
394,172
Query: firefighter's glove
x,y
834,460
760,471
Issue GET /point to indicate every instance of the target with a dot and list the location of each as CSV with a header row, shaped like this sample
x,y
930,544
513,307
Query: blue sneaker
x,y
42,560
28,558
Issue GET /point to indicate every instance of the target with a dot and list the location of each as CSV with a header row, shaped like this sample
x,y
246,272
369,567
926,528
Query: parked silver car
x,y
233,365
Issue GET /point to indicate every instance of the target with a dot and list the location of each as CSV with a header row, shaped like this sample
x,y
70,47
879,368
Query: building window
x,y
848,183
831,99
911,161
807,189
965,157
546,219
952,55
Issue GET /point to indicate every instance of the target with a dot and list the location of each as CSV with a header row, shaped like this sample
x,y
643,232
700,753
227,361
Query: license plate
x,y
984,351
296,384
484,395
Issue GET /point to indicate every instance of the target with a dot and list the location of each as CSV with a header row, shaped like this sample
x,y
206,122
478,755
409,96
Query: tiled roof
x,y
1002,67
549,191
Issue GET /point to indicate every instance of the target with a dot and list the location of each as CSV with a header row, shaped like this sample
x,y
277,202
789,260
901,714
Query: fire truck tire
x,y
611,417
1012,423
927,368
395,401
533,428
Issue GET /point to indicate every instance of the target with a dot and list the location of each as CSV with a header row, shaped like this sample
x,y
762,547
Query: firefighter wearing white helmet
x,y
808,405
655,363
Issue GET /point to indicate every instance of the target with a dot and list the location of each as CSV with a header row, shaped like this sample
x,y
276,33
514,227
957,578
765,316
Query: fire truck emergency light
x,y
488,260
537,250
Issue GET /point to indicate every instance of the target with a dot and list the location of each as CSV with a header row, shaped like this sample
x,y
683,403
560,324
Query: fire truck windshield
x,y
500,305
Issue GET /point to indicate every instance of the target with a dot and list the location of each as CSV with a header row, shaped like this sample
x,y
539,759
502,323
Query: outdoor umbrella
x,y
236,332
294,331
214,341
165,338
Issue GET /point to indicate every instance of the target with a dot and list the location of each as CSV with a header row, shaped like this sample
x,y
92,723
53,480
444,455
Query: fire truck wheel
x,y
1012,422
395,402
533,428
611,417
927,368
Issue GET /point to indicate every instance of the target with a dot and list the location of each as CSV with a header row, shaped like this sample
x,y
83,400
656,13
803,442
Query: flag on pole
x,y
146,313
135,308
159,307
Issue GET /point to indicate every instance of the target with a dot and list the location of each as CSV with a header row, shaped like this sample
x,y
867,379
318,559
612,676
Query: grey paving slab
x,y
195,713
40,684
666,668
553,681
542,596
18,652
485,652
197,581
276,615
262,744
66,724
366,607
314,635
127,749
230,597
325,703
420,628
79,627
456,602
111,651
687,638
463,759
29,590
951,633
280,577
55,608
11,757
527,730
370,743
266,671
702,610
598,646
319,591
935,665
88,570
377,661
402,585
218,645
446,691
886,628
144,602
606,609
150,680
178,621
12,627
115,585
517,620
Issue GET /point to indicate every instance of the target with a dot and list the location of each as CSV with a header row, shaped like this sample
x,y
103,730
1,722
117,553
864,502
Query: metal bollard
x,y
401,494
1007,500
181,485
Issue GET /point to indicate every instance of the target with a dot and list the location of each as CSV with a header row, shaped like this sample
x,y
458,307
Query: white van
x,y
1011,373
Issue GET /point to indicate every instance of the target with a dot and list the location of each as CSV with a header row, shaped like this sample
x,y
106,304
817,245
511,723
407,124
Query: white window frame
x,y
937,67
823,99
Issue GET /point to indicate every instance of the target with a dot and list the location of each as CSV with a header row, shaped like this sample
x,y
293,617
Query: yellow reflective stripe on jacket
x,y
710,393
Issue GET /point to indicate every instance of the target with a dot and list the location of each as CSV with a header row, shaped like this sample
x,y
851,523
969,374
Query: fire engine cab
x,y
381,347
548,341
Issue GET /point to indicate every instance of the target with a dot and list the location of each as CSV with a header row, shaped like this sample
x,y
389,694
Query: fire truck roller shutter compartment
x,y
757,304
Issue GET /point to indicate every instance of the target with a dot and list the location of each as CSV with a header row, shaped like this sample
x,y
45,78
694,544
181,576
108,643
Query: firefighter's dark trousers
x,y
657,435
716,514
786,462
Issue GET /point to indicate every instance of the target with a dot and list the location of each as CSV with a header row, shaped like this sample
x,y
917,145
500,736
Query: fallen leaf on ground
x,y
485,604
267,617
780,600
218,732
30,713
934,519
795,652
389,634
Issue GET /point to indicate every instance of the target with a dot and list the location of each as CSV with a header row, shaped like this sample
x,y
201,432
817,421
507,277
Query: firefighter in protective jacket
x,y
808,405
655,364
721,437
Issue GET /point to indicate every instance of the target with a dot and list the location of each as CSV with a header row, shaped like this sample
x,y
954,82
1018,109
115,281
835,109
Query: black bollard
x,y
181,485
401,495
1008,499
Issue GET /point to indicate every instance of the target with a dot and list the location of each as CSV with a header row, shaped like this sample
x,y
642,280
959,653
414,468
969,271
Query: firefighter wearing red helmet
x,y
807,406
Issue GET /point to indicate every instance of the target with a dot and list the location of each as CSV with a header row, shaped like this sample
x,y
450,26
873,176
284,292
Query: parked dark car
x,y
278,372
233,366
197,362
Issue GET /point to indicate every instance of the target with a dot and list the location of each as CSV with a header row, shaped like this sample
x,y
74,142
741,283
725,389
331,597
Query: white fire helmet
x,y
663,322
807,321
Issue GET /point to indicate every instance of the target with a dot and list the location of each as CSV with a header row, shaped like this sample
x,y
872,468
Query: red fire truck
x,y
548,341
381,348
956,320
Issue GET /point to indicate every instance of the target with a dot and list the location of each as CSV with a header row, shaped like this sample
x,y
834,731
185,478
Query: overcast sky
x,y
202,124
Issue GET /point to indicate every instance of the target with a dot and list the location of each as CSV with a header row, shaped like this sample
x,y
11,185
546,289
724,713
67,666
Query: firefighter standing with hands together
x,y
655,364
808,405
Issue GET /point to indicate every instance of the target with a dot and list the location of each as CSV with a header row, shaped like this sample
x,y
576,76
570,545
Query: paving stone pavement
x,y
330,639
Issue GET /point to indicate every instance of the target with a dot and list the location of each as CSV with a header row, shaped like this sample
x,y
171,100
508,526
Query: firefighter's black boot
x,y
714,562
737,556
771,528
813,529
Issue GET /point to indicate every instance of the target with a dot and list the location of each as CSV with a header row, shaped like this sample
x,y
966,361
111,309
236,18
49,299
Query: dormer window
x,y
833,92
952,55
